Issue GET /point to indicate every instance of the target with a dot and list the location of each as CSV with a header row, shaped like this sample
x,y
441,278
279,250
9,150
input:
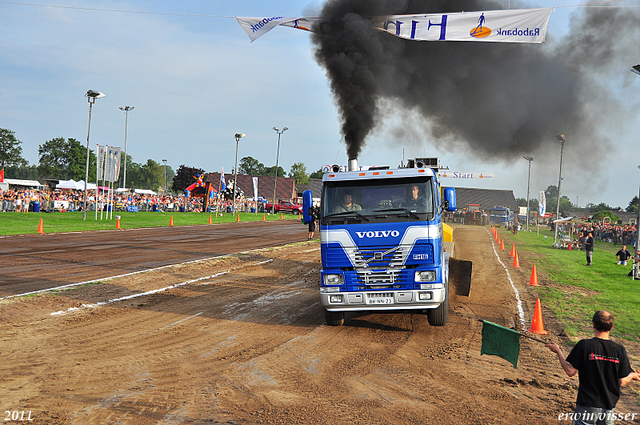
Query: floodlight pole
x,y
91,97
275,182
126,110
636,70
561,139
238,136
528,158
165,175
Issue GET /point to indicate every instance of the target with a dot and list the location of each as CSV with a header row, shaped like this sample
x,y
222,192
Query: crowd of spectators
x,y
63,200
618,234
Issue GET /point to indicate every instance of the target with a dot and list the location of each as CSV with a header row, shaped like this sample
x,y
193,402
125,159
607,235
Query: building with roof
x,y
486,198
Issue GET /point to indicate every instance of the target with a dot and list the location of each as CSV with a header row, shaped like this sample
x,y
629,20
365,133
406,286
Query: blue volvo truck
x,y
384,244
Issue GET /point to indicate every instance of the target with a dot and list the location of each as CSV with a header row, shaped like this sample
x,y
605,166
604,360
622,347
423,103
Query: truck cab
x,y
382,245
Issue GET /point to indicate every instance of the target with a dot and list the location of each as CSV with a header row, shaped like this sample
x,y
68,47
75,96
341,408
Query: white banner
x,y
542,204
503,26
460,175
255,188
112,166
100,163
117,160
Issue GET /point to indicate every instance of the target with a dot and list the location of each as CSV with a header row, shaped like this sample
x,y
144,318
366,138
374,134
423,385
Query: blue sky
x,y
197,80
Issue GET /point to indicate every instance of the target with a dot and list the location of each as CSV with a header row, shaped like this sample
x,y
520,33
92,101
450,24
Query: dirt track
x,y
246,344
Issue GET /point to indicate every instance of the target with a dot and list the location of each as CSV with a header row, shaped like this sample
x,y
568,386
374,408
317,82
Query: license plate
x,y
380,300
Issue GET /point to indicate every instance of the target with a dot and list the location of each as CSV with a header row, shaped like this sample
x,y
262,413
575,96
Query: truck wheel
x,y
439,316
296,212
334,318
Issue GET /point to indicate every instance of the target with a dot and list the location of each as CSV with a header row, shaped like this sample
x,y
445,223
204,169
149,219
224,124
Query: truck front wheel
x,y
296,212
439,316
334,318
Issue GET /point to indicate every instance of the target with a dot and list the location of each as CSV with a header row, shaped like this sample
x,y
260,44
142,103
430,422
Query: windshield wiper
x,y
399,210
343,213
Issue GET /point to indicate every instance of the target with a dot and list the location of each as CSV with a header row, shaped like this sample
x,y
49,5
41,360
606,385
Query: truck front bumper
x,y
383,300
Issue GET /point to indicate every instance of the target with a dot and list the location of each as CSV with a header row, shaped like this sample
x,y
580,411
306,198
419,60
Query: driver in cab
x,y
414,199
348,204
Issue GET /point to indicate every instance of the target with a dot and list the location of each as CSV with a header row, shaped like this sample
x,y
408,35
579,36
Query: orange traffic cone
x,y
513,251
171,221
210,219
264,217
40,227
536,324
118,223
534,277
281,216
237,217
502,244
516,263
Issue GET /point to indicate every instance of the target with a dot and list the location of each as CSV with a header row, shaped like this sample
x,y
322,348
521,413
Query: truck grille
x,y
390,256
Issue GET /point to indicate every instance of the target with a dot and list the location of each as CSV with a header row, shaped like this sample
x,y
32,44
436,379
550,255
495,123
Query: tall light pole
x,y
275,182
638,222
561,139
126,110
91,95
636,69
238,136
530,159
165,175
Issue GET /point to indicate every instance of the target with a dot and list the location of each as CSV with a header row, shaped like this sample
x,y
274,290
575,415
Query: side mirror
x,y
449,199
307,203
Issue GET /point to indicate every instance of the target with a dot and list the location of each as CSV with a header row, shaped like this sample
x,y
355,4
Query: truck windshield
x,y
406,199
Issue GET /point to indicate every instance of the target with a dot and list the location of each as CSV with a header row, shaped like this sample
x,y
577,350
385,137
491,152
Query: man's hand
x,y
554,347
633,376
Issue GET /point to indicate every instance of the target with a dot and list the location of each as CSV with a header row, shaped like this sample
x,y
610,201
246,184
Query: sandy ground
x,y
241,340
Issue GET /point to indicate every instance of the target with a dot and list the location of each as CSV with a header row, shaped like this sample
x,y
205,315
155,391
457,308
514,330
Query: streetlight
x,y
238,136
528,158
126,110
275,182
636,69
165,175
561,139
638,219
91,97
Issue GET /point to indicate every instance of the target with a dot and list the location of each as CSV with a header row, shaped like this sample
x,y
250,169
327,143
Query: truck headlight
x,y
336,299
333,279
425,276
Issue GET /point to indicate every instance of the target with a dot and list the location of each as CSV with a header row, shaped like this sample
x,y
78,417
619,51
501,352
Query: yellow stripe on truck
x,y
447,232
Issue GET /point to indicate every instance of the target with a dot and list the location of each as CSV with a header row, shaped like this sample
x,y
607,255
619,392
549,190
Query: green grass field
x,y
27,223
573,291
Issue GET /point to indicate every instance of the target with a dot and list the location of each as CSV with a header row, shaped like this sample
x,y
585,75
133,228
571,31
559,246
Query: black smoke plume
x,y
498,100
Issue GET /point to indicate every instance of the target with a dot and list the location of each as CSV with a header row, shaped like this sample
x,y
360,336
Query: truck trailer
x,y
384,245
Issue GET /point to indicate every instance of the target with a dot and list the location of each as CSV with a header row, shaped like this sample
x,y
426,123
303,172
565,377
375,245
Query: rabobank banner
x,y
502,26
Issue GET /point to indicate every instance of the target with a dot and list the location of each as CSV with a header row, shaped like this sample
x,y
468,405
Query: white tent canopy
x,y
72,184
139,191
26,183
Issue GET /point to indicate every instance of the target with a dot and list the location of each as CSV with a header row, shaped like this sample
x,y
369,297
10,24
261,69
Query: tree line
x,y
65,159
566,206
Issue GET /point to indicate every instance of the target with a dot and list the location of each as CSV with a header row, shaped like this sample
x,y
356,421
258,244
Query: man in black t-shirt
x,y
623,255
588,247
604,368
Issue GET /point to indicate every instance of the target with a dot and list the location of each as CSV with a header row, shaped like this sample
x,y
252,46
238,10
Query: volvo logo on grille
x,y
378,234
